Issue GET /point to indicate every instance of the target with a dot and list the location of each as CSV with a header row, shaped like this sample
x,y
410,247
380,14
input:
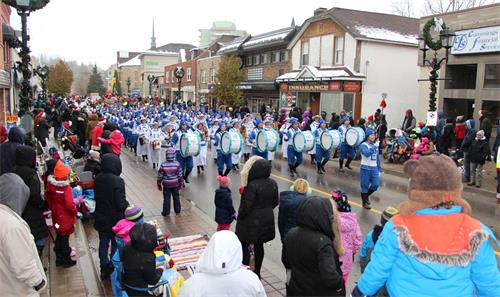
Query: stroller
x,y
398,147
70,142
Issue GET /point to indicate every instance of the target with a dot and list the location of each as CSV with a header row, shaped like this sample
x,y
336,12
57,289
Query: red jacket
x,y
59,197
115,140
460,131
97,132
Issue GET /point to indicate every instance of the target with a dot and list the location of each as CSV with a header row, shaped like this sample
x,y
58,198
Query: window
x,y
461,76
212,75
339,50
305,52
254,60
255,73
492,76
263,58
274,57
283,56
189,74
167,76
203,75
249,60
173,76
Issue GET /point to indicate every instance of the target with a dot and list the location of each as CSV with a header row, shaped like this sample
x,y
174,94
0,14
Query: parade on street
x,y
354,152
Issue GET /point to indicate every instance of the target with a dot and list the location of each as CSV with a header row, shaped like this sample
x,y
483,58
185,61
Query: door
x,y
314,102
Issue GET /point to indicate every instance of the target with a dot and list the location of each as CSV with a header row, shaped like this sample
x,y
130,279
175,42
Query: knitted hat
x,y
433,180
61,171
300,186
344,118
387,214
133,213
223,180
340,198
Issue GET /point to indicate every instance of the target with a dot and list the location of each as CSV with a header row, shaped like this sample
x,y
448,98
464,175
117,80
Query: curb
x,y
91,280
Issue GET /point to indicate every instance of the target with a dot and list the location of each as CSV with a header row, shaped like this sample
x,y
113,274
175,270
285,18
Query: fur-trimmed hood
x,y
246,169
57,183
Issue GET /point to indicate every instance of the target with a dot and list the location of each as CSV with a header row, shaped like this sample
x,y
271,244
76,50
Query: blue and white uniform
x,y
345,149
185,162
370,167
322,155
252,138
155,135
295,158
222,158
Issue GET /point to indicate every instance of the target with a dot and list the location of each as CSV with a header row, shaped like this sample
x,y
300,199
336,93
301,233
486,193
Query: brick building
x,y
188,82
264,57
6,104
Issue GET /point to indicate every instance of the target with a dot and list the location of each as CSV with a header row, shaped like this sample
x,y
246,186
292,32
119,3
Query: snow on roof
x,y
343,72
158,53
182,53
289,75
385,34
268,37
135,61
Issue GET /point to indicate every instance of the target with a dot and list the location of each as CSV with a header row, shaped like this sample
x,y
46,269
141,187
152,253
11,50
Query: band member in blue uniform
x,y
222,158
295,158
369,173
345,149
259,126
322,155
186,162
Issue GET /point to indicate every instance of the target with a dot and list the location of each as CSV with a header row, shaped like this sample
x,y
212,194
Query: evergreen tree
x,y
96,85
117,88
60,79
229,78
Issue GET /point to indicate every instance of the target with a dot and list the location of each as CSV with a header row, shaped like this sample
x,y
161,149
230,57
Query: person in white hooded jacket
x,y
21,271
219,271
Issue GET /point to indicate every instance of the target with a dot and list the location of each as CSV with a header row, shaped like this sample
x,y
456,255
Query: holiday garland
x,y
435,45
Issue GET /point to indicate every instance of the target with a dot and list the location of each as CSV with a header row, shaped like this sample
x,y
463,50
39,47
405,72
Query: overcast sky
x,y
93,30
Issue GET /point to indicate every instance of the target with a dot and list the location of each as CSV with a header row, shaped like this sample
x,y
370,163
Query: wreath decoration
x,y
435,45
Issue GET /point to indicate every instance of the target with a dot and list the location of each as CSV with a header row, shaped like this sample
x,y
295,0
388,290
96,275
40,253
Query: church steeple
x,y
153,38
293,22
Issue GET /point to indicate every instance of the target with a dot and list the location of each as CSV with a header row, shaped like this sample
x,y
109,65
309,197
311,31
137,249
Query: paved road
x,y
392,192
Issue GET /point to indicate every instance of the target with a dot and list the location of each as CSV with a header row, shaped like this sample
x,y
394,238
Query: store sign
x,y
11,121
473,41
312,88
334,85
245,87
352,86
283,86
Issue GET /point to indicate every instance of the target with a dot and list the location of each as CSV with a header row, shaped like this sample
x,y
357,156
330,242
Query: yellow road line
x,y
351,202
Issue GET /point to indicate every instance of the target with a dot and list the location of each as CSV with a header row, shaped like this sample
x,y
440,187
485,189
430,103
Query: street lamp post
x,y
43,72
179,74
425,43
128,82
151,79
24,8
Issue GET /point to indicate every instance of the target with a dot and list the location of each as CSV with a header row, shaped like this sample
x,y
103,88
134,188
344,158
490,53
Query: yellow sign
x,y
12,119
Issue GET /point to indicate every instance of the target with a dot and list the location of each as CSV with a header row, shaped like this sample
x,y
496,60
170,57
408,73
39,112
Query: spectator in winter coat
x,y
485,124
42,128
371,238
447,137
60,200
219,271
33,212
312,249
94,119
170,180
3,134
224,210
289,203
8,149
133,215
479,152
111,203
459,131
350,232
93,163
255,222
433,246
466,143
21,271
409,122
115,141
139,262
96,133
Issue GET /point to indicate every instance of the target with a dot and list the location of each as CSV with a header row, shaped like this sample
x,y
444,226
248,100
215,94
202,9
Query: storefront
x,y
256,94
329,90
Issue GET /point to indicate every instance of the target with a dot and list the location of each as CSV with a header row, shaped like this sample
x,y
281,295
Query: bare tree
x,y
443,6
403,8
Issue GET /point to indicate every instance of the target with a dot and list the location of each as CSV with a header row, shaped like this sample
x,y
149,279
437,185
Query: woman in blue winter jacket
x,y
433,247
289,203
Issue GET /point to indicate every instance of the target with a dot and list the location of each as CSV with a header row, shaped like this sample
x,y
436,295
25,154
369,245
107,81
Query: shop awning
x,y
8,33
4,79
319,74
258,86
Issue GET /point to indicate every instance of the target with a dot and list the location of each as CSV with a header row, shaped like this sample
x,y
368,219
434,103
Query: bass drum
x,y
336,138
354,136
303,141
326,140
189,144
267,141
231,142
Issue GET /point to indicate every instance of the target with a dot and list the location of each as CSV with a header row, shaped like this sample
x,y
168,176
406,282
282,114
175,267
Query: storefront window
x,y
348,104
256,102
331,102
492,76
461,76
492,107
455,107
305,52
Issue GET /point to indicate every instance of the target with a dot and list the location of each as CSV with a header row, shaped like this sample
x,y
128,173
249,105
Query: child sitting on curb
x,y
133,215
224,210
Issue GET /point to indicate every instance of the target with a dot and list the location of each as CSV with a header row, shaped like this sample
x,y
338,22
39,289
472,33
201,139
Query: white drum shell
x,y
231,142
189,144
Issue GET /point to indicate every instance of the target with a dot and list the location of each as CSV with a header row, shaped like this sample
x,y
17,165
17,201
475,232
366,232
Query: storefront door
x,y
314,102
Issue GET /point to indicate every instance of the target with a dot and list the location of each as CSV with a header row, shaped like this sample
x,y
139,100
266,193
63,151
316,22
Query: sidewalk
x,y
141,190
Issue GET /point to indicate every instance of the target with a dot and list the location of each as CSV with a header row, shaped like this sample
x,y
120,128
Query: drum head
x,y
274,141
225,143
299,142
262,141
351,137
326,140
184,145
